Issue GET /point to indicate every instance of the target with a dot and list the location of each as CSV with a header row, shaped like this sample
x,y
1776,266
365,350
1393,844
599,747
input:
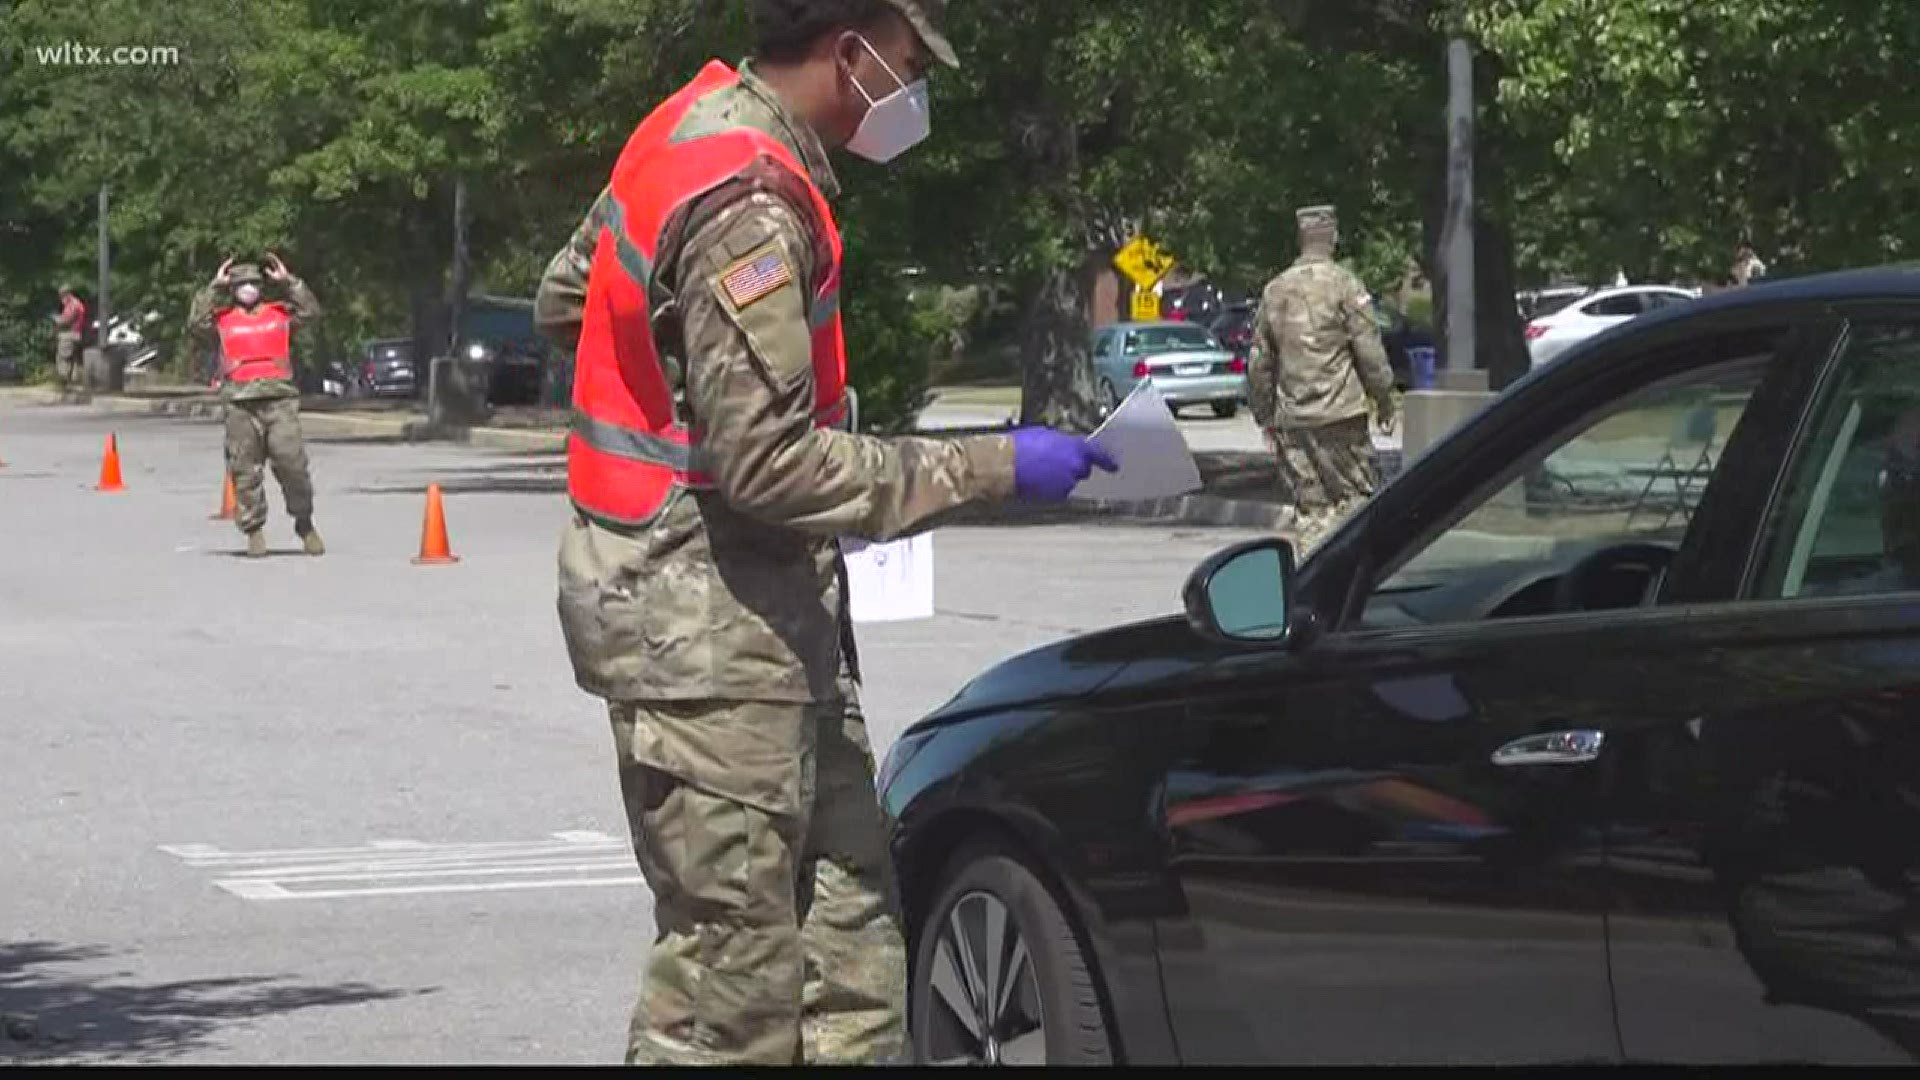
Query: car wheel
x,y
1226,410
1109,394
998,976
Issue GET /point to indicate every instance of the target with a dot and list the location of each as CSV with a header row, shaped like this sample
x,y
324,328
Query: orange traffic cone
x,y
227,507
433,533
110,467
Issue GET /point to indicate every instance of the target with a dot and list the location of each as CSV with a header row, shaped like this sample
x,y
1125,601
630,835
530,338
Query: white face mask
x,y
894,123
247,294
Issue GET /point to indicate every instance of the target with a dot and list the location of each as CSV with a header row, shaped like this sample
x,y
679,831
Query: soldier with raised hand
x,y
1315,361
262,399
702,592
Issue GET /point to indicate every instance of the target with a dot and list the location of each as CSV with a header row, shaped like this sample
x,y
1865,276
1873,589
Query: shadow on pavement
x,y
50,1015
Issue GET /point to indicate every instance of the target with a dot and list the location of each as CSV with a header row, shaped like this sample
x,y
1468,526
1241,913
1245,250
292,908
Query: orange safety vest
x,y
628,452
255,344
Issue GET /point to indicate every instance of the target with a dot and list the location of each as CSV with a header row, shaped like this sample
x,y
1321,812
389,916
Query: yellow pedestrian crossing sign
x,y
1143,262
1146,305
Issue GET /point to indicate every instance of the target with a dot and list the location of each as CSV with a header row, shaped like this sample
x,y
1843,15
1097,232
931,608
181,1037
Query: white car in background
x,y
1552,334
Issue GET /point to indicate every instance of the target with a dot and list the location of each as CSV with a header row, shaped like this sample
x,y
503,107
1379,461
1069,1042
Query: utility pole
x,y
462,274
102,300
1457,233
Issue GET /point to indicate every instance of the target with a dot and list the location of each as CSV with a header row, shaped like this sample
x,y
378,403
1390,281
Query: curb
x,y
412,429
1212,510
1205,510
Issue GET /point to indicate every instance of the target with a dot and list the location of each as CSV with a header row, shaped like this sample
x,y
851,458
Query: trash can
x,y
1420,360
105,369
457,391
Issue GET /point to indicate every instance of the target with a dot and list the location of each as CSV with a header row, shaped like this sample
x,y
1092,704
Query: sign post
x,y
1146,304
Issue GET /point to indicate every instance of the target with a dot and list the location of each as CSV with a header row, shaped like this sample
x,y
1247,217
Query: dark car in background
x,y
386,367
498,331
1196,303
1233,326
1592,737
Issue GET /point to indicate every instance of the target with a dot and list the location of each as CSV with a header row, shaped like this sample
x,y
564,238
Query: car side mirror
x,y
1240,594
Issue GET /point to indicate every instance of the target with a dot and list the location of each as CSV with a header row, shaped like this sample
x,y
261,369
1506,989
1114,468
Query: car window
x,y
1624,304
1634,473
1848,520
1154,339
1657,300
1103,343
1547,305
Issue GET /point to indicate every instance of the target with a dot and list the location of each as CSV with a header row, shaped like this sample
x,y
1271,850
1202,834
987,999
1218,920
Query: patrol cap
x,y
1316,217
929,18
243,272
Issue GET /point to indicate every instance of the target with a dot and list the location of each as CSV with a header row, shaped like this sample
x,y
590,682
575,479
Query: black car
x,y
1593,737
387,368
1196,303
1233,326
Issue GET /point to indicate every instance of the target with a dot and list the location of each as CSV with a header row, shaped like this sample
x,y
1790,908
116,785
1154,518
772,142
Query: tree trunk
x,y
1056,360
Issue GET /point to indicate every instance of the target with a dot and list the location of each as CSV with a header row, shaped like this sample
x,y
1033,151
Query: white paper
x,y
889,582
1154,460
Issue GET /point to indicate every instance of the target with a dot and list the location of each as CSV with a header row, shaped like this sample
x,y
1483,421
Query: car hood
x,y
1075,668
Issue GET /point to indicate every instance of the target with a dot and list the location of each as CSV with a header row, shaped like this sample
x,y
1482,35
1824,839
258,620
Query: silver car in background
x,y
1184,361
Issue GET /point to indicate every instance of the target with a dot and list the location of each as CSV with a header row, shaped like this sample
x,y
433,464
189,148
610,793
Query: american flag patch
x,y
755,277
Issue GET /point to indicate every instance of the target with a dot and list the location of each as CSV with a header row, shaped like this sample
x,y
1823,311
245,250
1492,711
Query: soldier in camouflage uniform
x,y
1316,360
717,629
262,399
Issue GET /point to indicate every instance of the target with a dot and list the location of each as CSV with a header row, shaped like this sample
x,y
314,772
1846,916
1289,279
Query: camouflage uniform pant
x,y
1325,472
66,359
777,935
259,432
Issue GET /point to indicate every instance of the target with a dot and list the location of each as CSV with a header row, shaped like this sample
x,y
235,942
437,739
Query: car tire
x,y
1109,396
1052,1007
1226,410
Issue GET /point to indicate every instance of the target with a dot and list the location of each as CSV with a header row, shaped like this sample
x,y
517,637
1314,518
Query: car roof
x,y
1622,290
1150,325
1881,283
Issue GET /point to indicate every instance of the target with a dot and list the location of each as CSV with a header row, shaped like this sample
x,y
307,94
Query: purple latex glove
x,y
1048,463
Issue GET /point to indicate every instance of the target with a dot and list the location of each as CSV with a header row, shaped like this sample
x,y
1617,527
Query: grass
x,y
1005,395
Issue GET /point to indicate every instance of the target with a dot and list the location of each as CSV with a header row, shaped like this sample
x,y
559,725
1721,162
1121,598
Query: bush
x,y
895,331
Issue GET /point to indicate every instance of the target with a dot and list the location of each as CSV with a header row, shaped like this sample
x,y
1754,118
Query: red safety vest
x,y
255,344
628,452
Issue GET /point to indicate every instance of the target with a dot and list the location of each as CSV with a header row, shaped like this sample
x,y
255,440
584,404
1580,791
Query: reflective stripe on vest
x,y
628,451
255,344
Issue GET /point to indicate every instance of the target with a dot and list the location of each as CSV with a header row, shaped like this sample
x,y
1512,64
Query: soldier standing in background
x,y
1747,267
702,592
1315,361
262,399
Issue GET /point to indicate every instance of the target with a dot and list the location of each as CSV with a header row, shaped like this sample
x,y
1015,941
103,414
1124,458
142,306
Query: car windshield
x,y
1159,339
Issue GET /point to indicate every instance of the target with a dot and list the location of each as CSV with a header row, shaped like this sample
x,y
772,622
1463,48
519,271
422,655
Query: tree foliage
x,y
1638,135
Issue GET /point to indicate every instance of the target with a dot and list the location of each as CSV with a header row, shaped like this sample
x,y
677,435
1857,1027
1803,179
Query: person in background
x,y
72,323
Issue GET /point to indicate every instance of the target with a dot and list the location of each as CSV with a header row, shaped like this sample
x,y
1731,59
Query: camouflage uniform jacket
x,y
736,592
1316,355
301,305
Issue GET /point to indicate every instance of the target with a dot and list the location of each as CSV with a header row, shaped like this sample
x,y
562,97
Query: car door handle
x,y
1576,747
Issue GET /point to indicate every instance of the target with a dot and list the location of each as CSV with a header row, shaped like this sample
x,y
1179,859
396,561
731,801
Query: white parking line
x,y
572,859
